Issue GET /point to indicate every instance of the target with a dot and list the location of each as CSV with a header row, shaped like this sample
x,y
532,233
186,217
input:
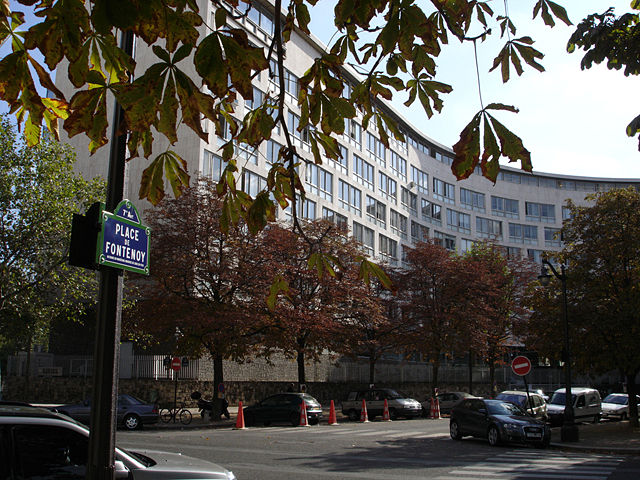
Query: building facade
x,y
390,198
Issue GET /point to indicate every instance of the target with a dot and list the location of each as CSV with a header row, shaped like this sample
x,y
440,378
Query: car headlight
x,y
231,476
512,427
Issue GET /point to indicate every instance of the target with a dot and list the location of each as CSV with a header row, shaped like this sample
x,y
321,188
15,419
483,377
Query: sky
x,y
572,121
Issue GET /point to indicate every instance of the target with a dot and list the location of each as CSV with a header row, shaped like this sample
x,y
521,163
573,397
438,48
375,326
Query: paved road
x,y
400,450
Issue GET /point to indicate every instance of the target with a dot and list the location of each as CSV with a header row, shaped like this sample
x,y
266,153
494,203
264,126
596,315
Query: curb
x,y
595,449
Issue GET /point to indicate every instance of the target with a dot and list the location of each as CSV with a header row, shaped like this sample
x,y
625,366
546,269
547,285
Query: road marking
x,y
539,465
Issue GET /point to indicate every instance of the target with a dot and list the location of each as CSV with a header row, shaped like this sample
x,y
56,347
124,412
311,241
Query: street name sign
x,y
124,241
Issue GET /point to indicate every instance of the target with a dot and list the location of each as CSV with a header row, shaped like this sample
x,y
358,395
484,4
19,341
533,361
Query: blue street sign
x,y
124,242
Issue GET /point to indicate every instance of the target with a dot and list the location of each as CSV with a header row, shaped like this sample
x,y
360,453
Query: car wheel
x,y
623,417
353,415
314,421
131,421
249,419
454,430
294,418
493,436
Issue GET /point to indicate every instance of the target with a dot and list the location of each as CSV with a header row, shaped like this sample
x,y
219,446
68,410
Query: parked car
x,y
399,404
498,422
533,403
283,407
446,401
586,405
131,412
38,443
616,405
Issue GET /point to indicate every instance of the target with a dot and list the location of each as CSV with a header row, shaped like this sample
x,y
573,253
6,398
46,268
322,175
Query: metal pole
x,y
101,455
569,430
175,396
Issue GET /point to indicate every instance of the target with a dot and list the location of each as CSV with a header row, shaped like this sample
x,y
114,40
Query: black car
x,y
497,421
283,407
131,412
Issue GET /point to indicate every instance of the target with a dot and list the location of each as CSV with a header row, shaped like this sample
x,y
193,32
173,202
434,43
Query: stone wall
x,y
57,390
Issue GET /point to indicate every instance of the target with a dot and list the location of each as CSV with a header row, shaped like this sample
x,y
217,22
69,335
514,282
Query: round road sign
x,y
521,365
176,364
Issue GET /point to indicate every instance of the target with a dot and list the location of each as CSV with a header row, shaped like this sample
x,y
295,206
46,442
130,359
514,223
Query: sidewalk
x,y
604,437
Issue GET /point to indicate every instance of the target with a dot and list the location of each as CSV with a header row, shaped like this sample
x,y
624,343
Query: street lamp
x,y
569,430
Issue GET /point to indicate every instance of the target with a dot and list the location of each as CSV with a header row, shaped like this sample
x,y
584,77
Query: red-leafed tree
x,y
371,322
203,281
435,299
499,303
311,292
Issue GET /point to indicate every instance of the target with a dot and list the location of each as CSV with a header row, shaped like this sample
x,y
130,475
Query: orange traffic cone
x,y
303,415
240,418
332,414
385,412
363,412
437,403
432,409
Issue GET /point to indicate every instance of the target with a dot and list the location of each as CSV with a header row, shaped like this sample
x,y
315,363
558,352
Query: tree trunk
x,y
492,377
632,388
218,380
301,373
372,369
436,367
470,372
27,383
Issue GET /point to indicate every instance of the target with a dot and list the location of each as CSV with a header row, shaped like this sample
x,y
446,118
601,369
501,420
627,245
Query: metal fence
x,y
131,366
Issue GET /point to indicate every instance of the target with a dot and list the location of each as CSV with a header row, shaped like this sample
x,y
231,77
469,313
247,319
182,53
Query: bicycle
x,y
180,412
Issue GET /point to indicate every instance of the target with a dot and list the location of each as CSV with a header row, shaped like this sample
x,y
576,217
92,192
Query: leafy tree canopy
x,y
602,248
392,45
39,192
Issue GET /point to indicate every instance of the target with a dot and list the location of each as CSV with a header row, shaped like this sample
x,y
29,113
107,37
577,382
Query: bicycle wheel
x,y
185,416
166,415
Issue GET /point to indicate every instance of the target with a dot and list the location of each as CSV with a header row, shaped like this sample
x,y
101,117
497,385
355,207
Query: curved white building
x,y
389,197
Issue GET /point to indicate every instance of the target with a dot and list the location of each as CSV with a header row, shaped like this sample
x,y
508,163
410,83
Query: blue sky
x,y
572,121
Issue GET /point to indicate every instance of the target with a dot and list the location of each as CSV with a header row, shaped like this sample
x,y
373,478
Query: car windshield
x,y
559,398
394,394
617,399
519,400
504,408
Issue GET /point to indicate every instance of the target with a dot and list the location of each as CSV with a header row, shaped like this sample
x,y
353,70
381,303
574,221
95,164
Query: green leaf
x,y
278,286
369,269
511,145
152,183
467,149
221,17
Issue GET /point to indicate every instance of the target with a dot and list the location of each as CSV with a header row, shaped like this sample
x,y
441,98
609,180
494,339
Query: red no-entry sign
x,y
176,364
521,365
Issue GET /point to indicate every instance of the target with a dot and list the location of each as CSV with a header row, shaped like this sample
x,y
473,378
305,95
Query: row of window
x,y
320,183
260,20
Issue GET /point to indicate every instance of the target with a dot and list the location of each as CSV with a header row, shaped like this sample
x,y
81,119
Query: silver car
x,y
446,401
616,405
533,403
38,443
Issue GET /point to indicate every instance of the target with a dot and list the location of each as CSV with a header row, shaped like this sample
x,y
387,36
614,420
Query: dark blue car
x,y
131,412
498,422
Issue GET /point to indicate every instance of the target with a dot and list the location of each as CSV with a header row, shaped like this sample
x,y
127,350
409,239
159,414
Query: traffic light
x,y
84,237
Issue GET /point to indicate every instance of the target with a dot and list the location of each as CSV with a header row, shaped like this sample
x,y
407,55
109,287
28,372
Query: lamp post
x,y
569,430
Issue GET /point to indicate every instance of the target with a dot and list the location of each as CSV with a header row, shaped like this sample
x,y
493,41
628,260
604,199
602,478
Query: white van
x,y
587,405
